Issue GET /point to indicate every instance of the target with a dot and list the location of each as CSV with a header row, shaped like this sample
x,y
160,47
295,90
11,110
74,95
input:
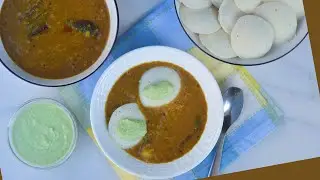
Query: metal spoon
x,y
232,106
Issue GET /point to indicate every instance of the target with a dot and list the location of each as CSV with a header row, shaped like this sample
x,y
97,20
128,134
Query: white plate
x,y
277,52
212,129
15,69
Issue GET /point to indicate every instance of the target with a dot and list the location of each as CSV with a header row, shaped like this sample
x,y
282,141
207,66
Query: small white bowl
x,y
15,69
212,129
277,52
74,126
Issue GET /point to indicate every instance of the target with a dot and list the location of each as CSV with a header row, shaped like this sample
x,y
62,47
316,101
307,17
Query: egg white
x,y
127,111
156,75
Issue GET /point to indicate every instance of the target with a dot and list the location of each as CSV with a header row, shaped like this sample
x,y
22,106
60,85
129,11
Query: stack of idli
x,y
247,29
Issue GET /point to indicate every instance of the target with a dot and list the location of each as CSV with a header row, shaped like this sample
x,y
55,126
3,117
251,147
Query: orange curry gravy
x,y
172,129
36,36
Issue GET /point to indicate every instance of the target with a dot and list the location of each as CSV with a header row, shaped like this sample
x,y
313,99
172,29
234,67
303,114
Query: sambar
x,y
173,129
54,39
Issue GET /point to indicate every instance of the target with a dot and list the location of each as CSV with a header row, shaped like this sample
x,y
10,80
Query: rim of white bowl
x,y
74,126
241,62
212,129
25,76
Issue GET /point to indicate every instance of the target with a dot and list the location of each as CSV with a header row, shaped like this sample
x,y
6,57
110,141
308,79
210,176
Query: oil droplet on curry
x,y
172,129
54,39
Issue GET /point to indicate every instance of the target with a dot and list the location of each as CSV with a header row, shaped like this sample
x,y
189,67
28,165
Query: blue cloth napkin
x,y
161,27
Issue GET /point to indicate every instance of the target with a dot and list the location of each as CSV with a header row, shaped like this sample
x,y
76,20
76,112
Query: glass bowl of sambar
x,y
56,43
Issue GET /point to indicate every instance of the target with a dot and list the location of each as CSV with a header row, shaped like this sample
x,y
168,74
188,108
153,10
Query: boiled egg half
x,y
159,86
127,125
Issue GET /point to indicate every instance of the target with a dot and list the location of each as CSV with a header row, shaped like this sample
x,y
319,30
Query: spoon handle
x,y
215,166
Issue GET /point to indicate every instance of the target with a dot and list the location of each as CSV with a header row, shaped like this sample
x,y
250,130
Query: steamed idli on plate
x,y
282,18
217,3
195,38
297,5
203,21
229,13
282,15
159,86
218,44
252,37
196,4
247,6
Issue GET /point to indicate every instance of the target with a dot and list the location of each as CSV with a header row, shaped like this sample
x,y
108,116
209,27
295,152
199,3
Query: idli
x,y
217,3
282,17
297,5
196,4
247,6
218,44
229,13
195,38
203,21
252,37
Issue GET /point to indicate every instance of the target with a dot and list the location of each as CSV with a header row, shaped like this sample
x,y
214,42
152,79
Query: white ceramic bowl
x,y
11,65
212,129
277,52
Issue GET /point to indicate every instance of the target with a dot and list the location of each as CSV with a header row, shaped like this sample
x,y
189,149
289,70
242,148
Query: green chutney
x,y
42,134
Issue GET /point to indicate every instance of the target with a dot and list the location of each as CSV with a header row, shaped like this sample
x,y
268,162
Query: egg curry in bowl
x,y
156,112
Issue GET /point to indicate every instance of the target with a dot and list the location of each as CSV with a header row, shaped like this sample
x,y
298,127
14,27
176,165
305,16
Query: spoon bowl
x,y
232,107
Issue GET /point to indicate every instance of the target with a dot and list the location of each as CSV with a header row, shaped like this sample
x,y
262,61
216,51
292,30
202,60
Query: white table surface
x,y
291,81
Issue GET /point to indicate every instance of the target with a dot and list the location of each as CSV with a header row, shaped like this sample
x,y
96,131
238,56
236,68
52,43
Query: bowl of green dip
x,y
42,133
